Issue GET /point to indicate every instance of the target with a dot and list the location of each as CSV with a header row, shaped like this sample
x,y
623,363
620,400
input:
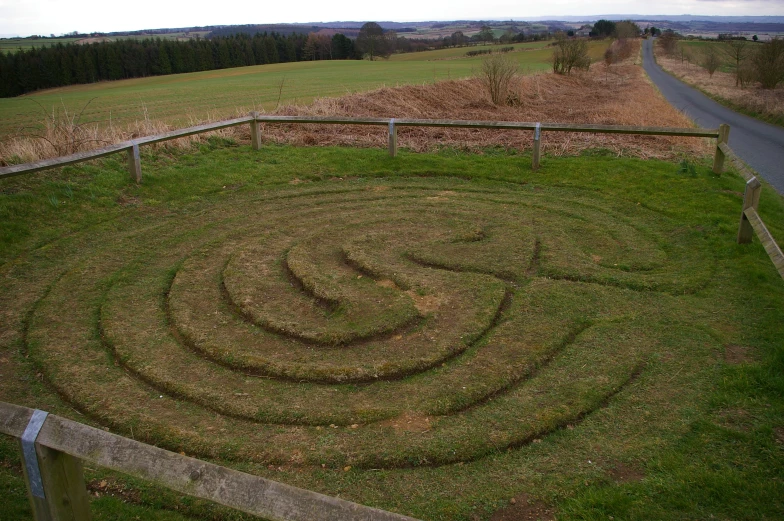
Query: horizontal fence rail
x,y
134,161
58,446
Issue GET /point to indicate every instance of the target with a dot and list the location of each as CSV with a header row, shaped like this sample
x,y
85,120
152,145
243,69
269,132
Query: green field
x,y
434,334
183,99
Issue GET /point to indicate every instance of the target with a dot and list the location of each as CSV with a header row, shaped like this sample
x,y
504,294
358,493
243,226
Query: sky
x,y
45,17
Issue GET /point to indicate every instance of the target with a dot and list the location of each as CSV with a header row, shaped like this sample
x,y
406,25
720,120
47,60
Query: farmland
x,y
182,99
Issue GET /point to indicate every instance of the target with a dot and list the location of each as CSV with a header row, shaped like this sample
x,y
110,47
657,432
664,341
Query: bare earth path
x,y
759,144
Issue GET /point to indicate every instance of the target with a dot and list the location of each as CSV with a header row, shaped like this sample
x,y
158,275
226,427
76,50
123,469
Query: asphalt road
x,y
759,144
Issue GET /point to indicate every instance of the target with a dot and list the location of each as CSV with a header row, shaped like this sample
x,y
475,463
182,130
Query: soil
x,y
112,487
623,473
522,508
735,354
409,422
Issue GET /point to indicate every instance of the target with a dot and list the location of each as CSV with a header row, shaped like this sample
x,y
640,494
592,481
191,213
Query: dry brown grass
x,y
768,103
620,96
61,133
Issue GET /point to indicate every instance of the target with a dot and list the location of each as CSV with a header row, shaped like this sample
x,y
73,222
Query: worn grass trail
x,y
432,334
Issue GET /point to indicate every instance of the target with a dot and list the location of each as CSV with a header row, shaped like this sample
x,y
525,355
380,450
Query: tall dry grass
x,y
61,133
768,103
620,96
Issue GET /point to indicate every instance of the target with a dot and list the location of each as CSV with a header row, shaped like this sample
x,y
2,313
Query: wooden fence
x,y
53,449
134,163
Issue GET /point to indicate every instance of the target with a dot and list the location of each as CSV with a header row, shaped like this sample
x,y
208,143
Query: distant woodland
x,y
61,65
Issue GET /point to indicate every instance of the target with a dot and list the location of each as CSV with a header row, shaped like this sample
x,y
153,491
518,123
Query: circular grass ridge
x,y
372,324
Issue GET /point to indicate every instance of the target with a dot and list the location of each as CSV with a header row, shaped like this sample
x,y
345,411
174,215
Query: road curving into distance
x,y
758,143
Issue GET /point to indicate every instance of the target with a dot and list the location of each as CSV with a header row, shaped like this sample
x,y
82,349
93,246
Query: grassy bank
x,y
632,370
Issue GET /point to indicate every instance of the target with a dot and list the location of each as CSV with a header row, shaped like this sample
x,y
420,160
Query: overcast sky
x,y
26,17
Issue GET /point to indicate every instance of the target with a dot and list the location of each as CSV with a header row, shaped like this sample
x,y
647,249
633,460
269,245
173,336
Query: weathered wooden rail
x,y
53,449
254,119
750,221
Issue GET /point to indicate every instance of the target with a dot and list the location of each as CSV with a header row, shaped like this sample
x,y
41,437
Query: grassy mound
x,y
415,328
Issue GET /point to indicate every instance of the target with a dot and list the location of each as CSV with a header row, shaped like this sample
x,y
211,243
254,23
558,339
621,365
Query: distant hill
x,y
661,17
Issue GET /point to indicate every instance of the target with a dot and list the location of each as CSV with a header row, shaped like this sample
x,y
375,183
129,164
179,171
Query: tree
x,y
769,63
569,54
498,70
371,40
342,47
486,34
711,59
667,41
736,51
627,29
755,38
604,28
458,39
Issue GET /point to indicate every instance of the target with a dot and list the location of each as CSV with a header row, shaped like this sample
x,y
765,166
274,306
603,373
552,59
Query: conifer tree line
x,y
61,65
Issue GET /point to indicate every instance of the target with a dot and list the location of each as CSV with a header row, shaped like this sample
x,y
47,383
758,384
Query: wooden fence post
x,y
392,138
537,142
135,163
750,200
63,478
718,157
255,132
55,480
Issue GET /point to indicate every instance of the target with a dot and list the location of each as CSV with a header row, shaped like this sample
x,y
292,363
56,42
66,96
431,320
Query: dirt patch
x,y
737,419
387,283
623,473
425,304
778,434
409,422
128,200
735,354
522,508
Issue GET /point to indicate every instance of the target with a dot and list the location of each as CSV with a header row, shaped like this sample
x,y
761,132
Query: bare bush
x,y
769,63
497,73
570,54
710,59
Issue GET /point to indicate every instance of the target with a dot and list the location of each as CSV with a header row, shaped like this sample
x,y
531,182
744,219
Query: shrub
x,y
497,74
769,63
569,54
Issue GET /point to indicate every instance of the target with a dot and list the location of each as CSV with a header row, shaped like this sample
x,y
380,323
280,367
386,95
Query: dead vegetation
x,y
618,96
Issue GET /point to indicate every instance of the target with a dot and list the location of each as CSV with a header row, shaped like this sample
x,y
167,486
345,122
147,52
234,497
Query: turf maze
x,y
378,324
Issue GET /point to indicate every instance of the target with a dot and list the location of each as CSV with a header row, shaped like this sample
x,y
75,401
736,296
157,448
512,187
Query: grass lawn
x,y
184,99
444,335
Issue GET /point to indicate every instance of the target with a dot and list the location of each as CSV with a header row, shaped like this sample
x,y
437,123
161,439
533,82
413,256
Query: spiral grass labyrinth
x,y
368,323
